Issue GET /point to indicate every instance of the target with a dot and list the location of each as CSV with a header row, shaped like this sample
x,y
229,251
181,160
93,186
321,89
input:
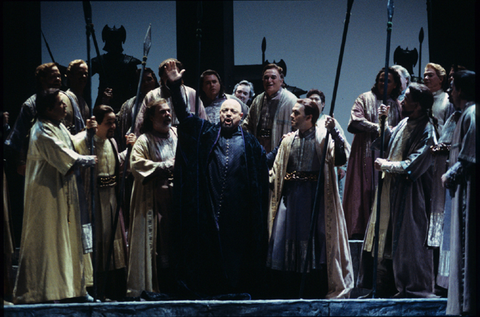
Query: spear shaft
x,y
390,8
199,50
48,47
315,210
147,43
420,39
87,10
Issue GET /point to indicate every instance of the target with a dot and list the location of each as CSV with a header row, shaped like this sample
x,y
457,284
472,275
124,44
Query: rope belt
x,y
301,176
106,181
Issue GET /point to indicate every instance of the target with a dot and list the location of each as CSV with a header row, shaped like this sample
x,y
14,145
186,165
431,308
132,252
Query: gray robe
x,y
405,209
462,281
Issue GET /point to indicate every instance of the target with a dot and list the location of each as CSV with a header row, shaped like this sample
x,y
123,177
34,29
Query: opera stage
x,y
293,307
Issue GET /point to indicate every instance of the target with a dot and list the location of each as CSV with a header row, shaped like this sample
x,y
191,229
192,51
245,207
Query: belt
x,y
301,176
107,181
265,133
440,149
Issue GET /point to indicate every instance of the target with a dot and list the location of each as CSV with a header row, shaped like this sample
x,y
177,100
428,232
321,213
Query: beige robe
x,y
281,122
150,211
339,261
105,202
51,265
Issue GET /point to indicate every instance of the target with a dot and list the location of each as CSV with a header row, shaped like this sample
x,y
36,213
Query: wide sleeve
x,y
250,120
55,150
359,121
178,102
141,111
418,159
468,147
80,142
191,95
143,166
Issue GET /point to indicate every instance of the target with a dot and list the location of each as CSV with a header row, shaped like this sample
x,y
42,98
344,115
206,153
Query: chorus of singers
x,y
217,201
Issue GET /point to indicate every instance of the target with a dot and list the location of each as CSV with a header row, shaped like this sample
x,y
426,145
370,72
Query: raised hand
x,y
172,72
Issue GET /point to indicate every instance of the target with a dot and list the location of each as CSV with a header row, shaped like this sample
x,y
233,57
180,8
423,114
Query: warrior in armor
x,y
116,70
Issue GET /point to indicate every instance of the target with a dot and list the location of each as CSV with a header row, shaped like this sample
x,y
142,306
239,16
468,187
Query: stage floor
x,y
348,307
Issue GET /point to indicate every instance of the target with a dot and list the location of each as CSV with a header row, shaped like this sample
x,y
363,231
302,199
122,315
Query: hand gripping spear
x,y
322,164
382,139
147,43
87,11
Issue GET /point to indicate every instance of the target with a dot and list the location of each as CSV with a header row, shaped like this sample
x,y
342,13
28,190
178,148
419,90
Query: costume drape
x,y
151,210
462,286
281,122
229,257
188,95
338,258
51,263
108,167
361,178
405,210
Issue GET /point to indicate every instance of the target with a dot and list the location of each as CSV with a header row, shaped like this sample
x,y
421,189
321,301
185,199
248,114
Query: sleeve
x,y
141,113
21,128
81,144
358,122
468,147
177,99
145,168
56,152
248,121
417,161
340,150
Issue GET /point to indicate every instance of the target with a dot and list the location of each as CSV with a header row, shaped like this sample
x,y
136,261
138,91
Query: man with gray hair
x,y
405,78
244,91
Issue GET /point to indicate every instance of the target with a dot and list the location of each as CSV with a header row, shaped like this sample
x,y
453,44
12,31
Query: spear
x,y
264,48
147,43
87,11
420,39
199,49
48,47
325,149
390,8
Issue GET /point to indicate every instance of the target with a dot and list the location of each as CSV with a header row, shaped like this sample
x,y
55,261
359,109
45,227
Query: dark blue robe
x,y
228,258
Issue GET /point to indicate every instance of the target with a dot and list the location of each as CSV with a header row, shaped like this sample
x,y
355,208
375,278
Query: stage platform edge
x,y
345,307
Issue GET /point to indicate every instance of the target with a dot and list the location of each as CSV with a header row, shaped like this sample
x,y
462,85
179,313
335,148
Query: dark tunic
x,y
221,241
291,227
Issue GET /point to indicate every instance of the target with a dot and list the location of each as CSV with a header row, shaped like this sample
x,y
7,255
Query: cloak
x,y
339,261
209,260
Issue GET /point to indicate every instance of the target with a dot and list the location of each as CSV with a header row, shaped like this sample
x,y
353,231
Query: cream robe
x,y
51,265
339,261
105,202
281,122
147,213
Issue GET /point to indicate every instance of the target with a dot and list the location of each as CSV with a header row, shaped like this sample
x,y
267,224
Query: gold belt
x,y
440,148
301,176
107,181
